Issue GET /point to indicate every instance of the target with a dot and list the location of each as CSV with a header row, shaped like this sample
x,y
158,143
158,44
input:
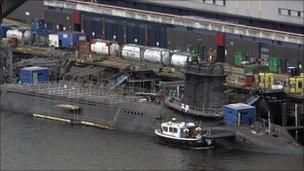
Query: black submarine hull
x,y
131,116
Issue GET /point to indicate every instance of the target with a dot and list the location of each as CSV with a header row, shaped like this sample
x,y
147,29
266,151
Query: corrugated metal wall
x,y
173,37
61,18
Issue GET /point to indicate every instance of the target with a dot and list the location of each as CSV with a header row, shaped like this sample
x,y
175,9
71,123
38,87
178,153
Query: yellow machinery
x,y
266,80
295,85
300,84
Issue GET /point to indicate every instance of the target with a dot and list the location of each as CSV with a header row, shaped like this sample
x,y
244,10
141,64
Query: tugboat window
x,y
170,129
174,130
165,129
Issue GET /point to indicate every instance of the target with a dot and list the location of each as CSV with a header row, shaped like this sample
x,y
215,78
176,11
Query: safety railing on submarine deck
x,y
77,91
211,112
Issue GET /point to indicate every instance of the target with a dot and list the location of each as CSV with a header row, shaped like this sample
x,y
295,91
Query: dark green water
x,y
36,144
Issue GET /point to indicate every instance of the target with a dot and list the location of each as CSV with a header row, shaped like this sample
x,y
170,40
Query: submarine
x,y
115,108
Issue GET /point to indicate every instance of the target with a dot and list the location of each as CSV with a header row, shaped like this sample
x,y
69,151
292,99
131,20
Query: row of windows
x,y
216,2
174,130
133,113
289,12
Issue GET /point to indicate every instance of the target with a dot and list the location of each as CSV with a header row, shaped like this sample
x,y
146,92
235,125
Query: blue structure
x,y
34,74
239,113
70,39
3,29
40,27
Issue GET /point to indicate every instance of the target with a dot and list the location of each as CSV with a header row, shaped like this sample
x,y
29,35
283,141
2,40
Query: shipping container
x,y
274,65
54,40
132,52
3,29
238,58
70,39
239,114
254,69
34,74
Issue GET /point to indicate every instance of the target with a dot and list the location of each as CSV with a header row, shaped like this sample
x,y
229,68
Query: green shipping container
x,y
274,65
194,50
238,58
254,69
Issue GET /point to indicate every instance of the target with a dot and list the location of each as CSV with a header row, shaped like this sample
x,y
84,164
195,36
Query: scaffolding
x,y
74,101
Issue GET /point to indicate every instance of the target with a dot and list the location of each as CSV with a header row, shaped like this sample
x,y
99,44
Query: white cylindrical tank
x,y
92,47
157,55
131,51
179,59
115,49
27,35
15,33
100,48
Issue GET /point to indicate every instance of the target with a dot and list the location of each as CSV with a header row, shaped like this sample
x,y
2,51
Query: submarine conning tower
x,y
204,86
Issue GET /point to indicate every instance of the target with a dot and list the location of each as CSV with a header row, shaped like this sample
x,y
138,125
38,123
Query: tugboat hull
x,y
190,143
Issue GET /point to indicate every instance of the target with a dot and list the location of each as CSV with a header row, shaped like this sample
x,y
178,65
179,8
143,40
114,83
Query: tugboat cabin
x,y
182,134
180,129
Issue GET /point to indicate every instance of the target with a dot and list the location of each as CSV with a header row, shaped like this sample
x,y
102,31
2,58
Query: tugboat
x,y
185,135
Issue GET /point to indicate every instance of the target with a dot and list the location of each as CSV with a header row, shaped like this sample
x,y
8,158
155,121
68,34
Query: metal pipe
x,y
296,119
269,122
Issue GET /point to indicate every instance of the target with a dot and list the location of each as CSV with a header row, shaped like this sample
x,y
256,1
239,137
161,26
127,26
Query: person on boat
x,y
198,132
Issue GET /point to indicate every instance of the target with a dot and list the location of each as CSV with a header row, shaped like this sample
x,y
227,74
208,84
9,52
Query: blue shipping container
x,y
70,39
247,114
3,29
34,74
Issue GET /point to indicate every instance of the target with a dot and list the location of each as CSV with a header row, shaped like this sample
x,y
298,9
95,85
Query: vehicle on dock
x,y
185,135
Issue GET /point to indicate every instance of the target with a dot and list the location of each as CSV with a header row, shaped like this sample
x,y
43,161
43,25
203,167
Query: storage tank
x,y
14,33
157,55
27,35
131,51
19,34
115,49
179,59
100,48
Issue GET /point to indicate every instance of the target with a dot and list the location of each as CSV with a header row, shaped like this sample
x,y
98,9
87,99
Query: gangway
x,y
123,78
253,100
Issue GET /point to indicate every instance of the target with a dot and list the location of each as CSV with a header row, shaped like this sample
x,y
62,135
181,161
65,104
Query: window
x,y
51,8
170,129
293,13
283,11
216,2
165,128
219,2
209,1
174,130
300,85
